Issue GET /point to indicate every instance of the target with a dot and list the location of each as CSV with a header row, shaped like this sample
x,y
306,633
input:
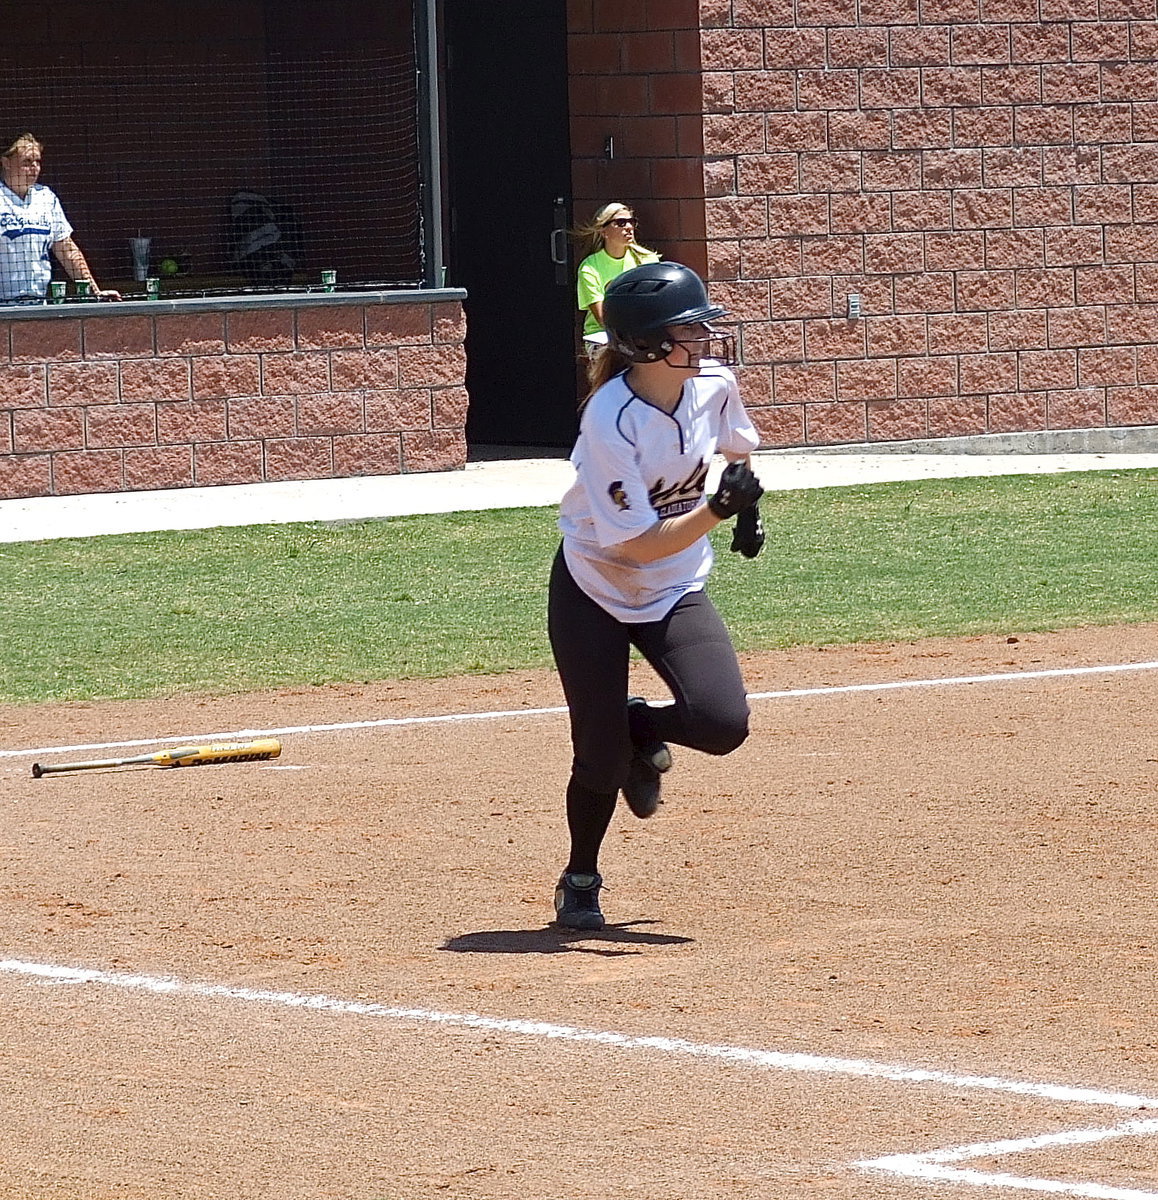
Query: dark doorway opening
x,y
508,163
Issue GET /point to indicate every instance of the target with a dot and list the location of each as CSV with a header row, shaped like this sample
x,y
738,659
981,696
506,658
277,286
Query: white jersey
x,y
28,230
636,464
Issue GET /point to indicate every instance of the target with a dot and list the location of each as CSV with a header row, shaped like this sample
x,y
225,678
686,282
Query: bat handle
x,y
39,770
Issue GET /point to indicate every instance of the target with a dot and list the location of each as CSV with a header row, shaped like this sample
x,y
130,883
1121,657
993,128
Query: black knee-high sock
x,y
588,816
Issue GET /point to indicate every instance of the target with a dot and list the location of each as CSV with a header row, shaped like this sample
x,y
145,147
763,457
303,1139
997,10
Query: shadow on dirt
x,y
552,940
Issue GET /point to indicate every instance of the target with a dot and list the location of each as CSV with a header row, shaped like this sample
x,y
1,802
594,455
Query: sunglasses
x,y
622,222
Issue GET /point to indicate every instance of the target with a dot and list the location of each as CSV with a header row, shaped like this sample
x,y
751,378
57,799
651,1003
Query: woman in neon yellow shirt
x,y
609,248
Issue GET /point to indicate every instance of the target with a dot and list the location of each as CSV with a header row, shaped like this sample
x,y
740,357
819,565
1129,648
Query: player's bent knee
x,y
722,735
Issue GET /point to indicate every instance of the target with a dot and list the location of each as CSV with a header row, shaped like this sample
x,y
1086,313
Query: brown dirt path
x,y
959,878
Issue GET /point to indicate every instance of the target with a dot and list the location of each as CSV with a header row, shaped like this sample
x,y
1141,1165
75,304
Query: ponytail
x,y
607,363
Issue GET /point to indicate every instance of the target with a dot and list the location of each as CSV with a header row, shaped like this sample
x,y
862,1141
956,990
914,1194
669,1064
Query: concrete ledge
x,y
312,298
1130,439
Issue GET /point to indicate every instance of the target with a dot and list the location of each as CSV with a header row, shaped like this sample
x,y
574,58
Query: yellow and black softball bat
x,y
182,756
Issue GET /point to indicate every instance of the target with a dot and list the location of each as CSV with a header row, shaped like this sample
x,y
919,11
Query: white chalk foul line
x,y
954,680
769,1059
339,727
930,1166
445,718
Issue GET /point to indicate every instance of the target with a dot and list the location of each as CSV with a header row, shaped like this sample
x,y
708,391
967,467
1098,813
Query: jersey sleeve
x,y
590,286
737,433
608,466
58,222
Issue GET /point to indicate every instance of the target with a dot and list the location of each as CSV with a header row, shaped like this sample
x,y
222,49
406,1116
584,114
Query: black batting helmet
x,y
640,304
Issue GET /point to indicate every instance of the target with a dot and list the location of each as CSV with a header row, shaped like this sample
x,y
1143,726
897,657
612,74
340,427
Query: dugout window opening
x,y
256,143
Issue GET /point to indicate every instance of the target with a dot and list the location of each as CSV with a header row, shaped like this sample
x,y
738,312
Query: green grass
x,y
230,610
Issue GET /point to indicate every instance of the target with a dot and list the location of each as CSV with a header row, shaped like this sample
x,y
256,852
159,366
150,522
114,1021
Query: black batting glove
x,y
748,533
739,489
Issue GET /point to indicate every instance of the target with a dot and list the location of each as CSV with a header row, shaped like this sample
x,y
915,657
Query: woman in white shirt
x,y
635,556
33,227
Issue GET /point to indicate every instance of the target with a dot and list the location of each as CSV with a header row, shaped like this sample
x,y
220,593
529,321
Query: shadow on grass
x,y
553,940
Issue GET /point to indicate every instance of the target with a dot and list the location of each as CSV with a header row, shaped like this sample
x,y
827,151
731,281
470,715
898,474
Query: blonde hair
x,y
607,362
22,140
589,237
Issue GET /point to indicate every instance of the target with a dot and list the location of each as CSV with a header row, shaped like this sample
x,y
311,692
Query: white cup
x,y
140,248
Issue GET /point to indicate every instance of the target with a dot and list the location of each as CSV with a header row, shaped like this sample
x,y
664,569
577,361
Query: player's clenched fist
x,y
739,489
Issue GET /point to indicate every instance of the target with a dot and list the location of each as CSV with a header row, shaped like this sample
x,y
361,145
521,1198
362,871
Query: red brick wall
x,y
635,76
984,173
131,400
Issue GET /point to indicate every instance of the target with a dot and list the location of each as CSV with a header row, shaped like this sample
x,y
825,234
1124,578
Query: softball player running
x,y
635,556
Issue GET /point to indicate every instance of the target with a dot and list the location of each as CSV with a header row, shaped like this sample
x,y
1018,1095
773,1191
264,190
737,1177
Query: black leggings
x,y
691,652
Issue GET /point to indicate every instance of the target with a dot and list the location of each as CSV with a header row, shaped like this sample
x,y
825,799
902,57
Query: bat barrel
x,y
204,756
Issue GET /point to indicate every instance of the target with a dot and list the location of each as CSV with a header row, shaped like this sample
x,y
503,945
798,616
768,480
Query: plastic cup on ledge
x,y
329,280
153,288
83,289
56,291
139,249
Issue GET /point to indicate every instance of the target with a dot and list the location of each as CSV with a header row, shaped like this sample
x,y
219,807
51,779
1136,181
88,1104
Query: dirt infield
x,y
955,877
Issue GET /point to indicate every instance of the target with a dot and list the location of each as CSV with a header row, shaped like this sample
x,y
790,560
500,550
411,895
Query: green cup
x,y
83,289
329,280
56,291
153,288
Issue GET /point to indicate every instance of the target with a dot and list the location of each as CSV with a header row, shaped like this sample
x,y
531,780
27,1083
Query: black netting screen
x,y
255,143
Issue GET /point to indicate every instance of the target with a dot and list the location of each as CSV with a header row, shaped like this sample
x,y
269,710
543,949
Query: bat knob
x,y
36,771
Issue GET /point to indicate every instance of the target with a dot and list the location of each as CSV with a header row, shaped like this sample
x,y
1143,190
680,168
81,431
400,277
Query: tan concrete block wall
x,y
128,401
984,176
635,76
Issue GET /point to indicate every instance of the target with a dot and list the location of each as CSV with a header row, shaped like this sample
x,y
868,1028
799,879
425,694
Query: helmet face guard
x,y
718,346
642,304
